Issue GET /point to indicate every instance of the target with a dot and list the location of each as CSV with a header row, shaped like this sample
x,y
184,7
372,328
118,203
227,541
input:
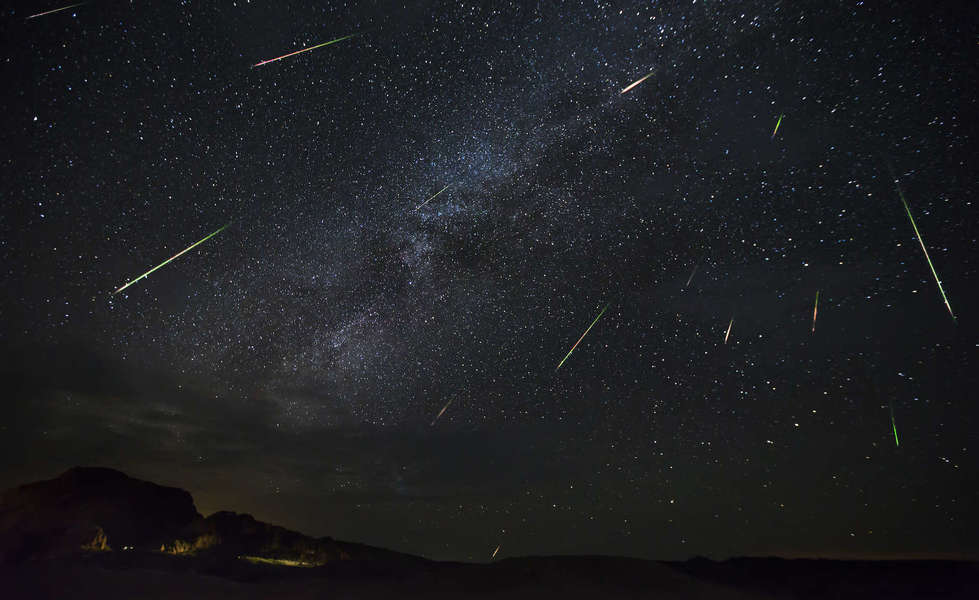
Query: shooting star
x,y
894,427
776,126
814,309
728,334
689,279
265,62
50,12
441,411
495,551
432,197
637,82
582,337
922,242
170,259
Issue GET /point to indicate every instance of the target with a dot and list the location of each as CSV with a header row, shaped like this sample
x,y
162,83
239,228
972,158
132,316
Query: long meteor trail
x,y
776,126
170,259
922,242
635,83
432,197
814,309
582,337
50,12
340,39
728,334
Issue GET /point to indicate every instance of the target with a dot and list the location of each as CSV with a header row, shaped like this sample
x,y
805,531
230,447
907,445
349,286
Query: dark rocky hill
x,y
95,508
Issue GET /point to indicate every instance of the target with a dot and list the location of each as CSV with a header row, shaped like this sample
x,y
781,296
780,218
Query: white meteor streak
x,y
689,279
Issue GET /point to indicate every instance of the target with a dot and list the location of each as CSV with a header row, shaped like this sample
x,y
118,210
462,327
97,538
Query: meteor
x,y
432,197
776,126
265,62
582,337
726,335
922,242
441,411
170,259
495,551
637,82
689,279
814,309
49,12
893,426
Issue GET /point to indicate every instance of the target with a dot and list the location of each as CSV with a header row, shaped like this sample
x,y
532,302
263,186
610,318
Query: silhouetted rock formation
x,y
102,510
95,508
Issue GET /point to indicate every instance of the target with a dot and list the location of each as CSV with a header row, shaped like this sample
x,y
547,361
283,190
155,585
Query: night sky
x,y
293,365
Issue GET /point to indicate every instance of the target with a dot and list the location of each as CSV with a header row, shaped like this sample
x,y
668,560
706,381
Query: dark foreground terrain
x,y
97,533
136,575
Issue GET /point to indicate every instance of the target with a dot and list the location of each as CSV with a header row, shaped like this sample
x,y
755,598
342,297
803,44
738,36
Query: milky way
x,y
291,367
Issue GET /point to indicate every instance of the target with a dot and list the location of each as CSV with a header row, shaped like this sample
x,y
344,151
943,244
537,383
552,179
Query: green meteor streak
x,y
170,259
894,427
776,126
432,197
923,249
582,337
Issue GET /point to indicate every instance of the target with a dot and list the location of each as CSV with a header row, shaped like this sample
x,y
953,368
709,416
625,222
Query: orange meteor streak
x,y
814,309
728,334
441,411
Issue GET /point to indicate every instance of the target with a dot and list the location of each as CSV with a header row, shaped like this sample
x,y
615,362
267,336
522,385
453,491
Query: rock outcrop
x,y
102,510
90,508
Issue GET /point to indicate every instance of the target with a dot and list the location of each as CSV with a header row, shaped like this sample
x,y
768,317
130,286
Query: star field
x,y
292,365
